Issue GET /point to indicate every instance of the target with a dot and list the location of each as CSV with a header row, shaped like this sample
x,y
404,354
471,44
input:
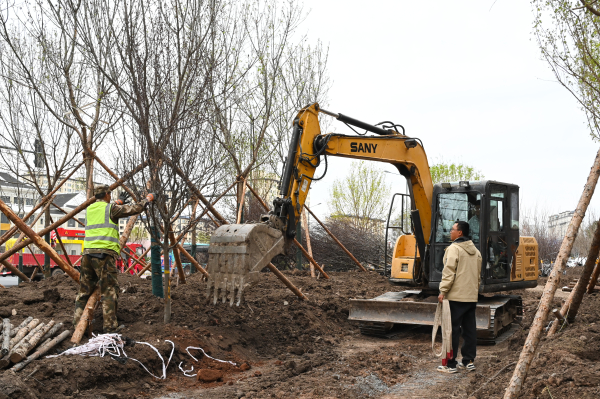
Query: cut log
x,y
52,332
14,331
42,350
513,390
26,338
21,353
5,337
23,332
86,317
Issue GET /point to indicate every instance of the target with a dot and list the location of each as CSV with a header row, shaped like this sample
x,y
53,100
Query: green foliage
x,y
452,172
202,237
362,197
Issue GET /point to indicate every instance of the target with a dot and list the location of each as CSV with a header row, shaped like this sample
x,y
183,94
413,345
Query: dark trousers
x,y
463,323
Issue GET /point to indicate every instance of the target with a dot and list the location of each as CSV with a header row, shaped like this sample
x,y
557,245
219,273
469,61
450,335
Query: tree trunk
x,y
177,258
167,280
86,316
21,353
308,246
43,349
535,332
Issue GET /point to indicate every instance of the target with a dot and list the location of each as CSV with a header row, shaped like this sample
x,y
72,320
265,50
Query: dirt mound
x,y
271,323
275,345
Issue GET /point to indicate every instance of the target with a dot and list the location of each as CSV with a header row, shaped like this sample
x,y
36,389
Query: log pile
x,y
18,342
569,287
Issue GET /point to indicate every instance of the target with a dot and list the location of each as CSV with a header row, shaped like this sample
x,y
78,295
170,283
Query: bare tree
x,y
43,43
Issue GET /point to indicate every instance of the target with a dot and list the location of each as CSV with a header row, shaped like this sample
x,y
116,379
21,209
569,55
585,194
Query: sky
x,y
467,78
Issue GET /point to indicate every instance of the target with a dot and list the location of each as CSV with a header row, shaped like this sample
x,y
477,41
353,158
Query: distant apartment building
x,y
72,185
557,224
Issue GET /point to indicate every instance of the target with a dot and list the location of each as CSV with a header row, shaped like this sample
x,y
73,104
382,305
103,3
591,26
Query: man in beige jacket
x,y
460,286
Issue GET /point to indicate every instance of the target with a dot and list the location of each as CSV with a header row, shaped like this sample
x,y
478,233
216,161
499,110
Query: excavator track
x,y
497,317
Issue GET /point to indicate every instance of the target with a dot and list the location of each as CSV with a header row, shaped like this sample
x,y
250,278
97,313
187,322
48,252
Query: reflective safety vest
x,y
100,231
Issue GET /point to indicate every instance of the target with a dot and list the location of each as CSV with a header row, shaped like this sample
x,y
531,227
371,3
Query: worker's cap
x,y
101,189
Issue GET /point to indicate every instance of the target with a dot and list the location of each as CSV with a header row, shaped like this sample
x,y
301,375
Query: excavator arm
x,y
309,146
237,253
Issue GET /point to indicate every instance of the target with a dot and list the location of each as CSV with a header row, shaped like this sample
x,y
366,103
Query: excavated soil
x,y
282,347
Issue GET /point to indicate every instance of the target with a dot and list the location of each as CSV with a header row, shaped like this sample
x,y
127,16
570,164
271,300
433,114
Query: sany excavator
x,y
238,253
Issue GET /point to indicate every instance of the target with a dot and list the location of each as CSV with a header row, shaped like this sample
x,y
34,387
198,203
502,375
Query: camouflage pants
x,y
102,272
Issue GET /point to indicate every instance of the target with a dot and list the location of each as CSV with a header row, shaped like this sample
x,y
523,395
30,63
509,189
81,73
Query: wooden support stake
x,y
336,240
594,278
44,348
177,257
285,281
308,246
71,214
62,246
195,190
537,327
241,203
41,244
190,226
86,316
558,316
310,259
571,306
140,261
15,270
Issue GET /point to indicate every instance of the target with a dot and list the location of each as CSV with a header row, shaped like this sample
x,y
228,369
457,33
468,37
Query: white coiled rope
x,y
113,344
442,319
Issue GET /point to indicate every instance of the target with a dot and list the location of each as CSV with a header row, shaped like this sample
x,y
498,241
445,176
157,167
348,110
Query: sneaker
x,y
446,369
468,367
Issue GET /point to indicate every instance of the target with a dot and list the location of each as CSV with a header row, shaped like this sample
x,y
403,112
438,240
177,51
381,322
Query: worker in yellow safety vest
x,y
100,251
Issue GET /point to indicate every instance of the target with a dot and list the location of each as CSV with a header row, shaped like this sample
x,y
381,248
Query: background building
x,y
557,224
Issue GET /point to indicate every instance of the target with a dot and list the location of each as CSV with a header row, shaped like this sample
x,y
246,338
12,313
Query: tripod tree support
x,y
539,321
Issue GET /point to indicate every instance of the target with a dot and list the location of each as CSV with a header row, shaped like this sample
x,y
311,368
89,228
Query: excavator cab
x,y
509,261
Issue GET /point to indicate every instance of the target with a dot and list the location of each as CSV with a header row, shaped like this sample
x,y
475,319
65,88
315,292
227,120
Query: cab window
x,y
453,207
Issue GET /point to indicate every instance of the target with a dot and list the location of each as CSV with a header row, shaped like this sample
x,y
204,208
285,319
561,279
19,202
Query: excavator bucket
x,y
237,254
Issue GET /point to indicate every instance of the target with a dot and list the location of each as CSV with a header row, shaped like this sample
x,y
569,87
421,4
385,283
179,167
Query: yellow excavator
x,y
238,253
